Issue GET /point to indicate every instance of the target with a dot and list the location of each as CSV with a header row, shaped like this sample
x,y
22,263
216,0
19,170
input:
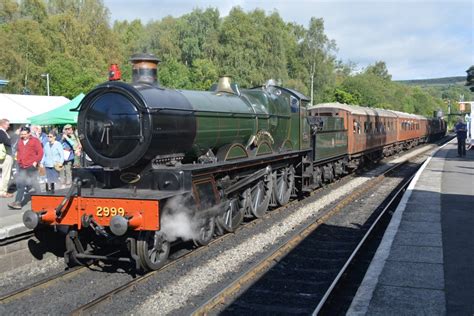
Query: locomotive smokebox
x,y
144,68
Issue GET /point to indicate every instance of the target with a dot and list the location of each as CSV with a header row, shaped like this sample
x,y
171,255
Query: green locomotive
x,y
214,157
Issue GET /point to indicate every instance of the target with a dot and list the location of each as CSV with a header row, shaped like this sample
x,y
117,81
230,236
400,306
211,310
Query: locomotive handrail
x,y
67,197
232,114
251,178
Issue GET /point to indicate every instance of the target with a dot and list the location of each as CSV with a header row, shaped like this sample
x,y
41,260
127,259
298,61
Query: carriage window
x,y
356,128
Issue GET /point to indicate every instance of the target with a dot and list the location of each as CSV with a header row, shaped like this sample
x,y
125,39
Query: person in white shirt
x,y
7,162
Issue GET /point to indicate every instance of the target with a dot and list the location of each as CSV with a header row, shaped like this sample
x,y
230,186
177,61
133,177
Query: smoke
x,y
29,179
273,82
177,219
180,218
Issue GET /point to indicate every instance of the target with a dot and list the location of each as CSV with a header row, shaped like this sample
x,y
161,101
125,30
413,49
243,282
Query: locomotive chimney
x,y
223,85
144,68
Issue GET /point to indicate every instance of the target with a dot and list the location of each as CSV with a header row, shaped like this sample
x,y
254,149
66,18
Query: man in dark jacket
x,y
461,134
7,162
29,155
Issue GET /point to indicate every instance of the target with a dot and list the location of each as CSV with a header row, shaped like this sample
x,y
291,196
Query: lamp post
x,y
47,81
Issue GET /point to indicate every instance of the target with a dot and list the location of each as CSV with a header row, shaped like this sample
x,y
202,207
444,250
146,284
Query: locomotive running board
x,y
253,177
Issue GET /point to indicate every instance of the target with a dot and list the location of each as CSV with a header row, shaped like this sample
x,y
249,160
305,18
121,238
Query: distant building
x,y
3,83
18,107
465,106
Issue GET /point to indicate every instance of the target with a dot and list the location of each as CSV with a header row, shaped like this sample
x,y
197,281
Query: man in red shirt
x,y
29,154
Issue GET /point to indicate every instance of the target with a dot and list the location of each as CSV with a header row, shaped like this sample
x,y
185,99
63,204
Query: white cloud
x,y
417,39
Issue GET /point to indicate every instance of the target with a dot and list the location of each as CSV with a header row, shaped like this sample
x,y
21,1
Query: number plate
x,y
105,211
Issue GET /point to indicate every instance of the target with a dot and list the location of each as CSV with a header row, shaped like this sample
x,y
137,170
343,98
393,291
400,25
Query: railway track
x,y
107,297
175,259
17,238
208,307
248,277
41,284
313,280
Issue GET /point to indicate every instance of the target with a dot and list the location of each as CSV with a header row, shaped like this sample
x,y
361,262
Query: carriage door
x,y
305,130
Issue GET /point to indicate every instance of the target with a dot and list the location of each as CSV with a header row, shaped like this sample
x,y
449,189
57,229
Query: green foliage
x,y
74,42
374,88
174,74
470,78
203,74
42,36
380,70
342,96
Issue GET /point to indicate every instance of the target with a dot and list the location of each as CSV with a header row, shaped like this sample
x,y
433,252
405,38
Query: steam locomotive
x,y
185,165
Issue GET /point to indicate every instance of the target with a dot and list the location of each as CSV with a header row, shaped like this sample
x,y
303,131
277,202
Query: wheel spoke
x,y
152,255
152,249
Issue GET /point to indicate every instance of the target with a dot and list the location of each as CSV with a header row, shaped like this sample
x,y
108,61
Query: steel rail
x,y
28,289
359,245
271,259
130,285
16,238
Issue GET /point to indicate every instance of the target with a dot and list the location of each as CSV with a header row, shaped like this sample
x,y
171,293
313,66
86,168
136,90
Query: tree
x,y
342,96
470,78
9,11
33,9
316,51
203,74
379,69
174,74
198,33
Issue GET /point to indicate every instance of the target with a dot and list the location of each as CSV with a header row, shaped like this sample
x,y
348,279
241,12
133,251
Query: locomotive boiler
x,y
122,125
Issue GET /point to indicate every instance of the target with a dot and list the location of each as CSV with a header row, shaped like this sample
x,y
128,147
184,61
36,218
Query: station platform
x,y
11,221
425,262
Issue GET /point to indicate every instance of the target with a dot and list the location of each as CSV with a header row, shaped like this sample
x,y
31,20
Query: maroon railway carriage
x,y
411,129
370,131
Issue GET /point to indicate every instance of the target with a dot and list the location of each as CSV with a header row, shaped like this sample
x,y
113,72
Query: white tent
x,y
17,107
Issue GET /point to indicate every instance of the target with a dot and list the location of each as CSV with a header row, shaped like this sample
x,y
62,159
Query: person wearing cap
x,y
29,155
461,134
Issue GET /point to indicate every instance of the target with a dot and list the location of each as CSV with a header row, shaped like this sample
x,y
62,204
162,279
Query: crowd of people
x,y
36,157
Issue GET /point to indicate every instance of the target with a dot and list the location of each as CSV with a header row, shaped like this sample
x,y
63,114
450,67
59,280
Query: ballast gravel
x,y
30,273
177,294
194,282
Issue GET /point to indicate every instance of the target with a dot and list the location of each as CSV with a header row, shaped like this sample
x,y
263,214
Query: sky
x,y
417,39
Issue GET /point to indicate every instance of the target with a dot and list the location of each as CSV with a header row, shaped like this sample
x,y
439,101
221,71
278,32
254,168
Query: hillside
x,y
461,80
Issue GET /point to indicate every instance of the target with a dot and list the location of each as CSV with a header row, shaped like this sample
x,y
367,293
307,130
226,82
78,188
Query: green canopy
x,y
59,115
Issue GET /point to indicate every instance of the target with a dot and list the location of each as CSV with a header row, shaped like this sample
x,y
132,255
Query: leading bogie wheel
x,y
75,246
152,249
